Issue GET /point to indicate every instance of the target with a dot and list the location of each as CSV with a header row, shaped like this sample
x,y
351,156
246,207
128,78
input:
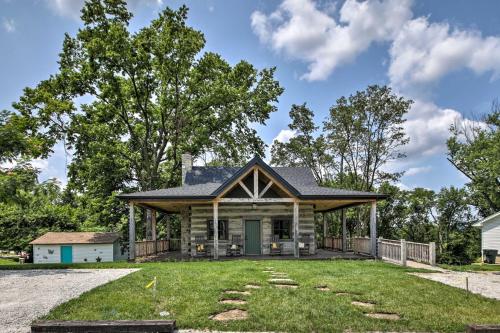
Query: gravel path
x,y
483,283
28,294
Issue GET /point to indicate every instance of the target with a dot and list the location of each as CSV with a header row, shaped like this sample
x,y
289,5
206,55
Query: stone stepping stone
x,y
252,286
286,286
237,292
322,288
268,271
386,316
234,314
281,280
232,301
363,304
270,268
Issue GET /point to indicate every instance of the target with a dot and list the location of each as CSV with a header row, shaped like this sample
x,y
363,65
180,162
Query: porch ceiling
x,y
176,206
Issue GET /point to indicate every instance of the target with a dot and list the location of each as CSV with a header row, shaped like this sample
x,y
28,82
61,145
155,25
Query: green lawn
x,y
8,261
14,265
473,267
190,292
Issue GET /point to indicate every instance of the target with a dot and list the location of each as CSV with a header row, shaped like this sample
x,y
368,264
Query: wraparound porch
x,y
202,221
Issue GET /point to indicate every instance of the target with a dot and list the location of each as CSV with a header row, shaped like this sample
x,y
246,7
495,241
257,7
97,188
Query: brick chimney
x,y
187,165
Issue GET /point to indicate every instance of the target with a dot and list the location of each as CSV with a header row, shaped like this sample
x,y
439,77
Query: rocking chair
x,y
275,246
234,249
200,246
305,245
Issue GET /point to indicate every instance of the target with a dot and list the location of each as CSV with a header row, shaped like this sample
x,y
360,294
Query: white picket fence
x,y
402,250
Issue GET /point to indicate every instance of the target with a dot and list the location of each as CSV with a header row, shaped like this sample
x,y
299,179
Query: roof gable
x,y
256,161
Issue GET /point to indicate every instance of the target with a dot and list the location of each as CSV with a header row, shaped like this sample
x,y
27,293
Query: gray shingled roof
x,y
202,182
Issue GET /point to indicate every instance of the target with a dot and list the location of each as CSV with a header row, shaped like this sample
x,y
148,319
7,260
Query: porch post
x,y
149,232
325,230
169,227
131,232
216,230
153,225
153,229
373,228
185,231
296,229
344,231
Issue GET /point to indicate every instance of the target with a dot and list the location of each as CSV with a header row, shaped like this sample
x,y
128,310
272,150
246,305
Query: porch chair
x,y
275,246
234,248
305,245
200,246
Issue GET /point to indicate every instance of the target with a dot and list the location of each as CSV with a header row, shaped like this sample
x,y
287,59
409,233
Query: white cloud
x,y
9,24
285,135
72,8
417,170
423,52
301,30
66,8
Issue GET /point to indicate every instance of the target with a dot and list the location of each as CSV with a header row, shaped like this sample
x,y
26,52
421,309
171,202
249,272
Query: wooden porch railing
x,y
147,248
402,250
335,243
388,249
361,245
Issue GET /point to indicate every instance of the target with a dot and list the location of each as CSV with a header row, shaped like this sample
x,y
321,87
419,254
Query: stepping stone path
x,y
280,280
237,292
387,316
234,314
323,288
233,301
284,286
363,304
252,286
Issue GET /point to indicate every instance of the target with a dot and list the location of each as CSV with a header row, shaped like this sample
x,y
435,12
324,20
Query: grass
x,y
14,265
473,267
190,292
8,261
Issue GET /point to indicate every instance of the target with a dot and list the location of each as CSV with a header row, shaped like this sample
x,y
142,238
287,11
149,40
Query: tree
x,y
153,95
419,226
391,212
474,150
365,131
28,208
457,239
306,148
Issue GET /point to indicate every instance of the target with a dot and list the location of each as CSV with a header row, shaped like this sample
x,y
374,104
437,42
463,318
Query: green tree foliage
x,y
306,148
29,209
128,104
153,95
366,131
475,151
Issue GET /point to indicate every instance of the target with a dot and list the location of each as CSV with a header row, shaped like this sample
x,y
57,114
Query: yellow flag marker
x,y
150,284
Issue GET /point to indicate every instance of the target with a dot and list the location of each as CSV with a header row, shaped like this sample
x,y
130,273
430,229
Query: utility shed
x,y
76,247
490,233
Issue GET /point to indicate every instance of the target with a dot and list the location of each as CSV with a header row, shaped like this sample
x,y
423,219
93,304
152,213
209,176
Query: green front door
x,y
252,237
66,254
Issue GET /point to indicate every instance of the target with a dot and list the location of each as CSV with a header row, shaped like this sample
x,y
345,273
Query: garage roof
x,y
77,238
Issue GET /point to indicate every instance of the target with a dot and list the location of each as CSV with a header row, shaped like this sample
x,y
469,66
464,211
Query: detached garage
x,y
490,234
76,247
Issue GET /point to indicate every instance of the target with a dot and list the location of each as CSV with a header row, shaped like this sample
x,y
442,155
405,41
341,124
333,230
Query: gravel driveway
x,y
28,294
483,283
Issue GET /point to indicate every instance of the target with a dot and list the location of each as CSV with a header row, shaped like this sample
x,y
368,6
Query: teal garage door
x,y
252,237
66,254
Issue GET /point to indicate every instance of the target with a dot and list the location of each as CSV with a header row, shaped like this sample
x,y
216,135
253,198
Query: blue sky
x,y
443,54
